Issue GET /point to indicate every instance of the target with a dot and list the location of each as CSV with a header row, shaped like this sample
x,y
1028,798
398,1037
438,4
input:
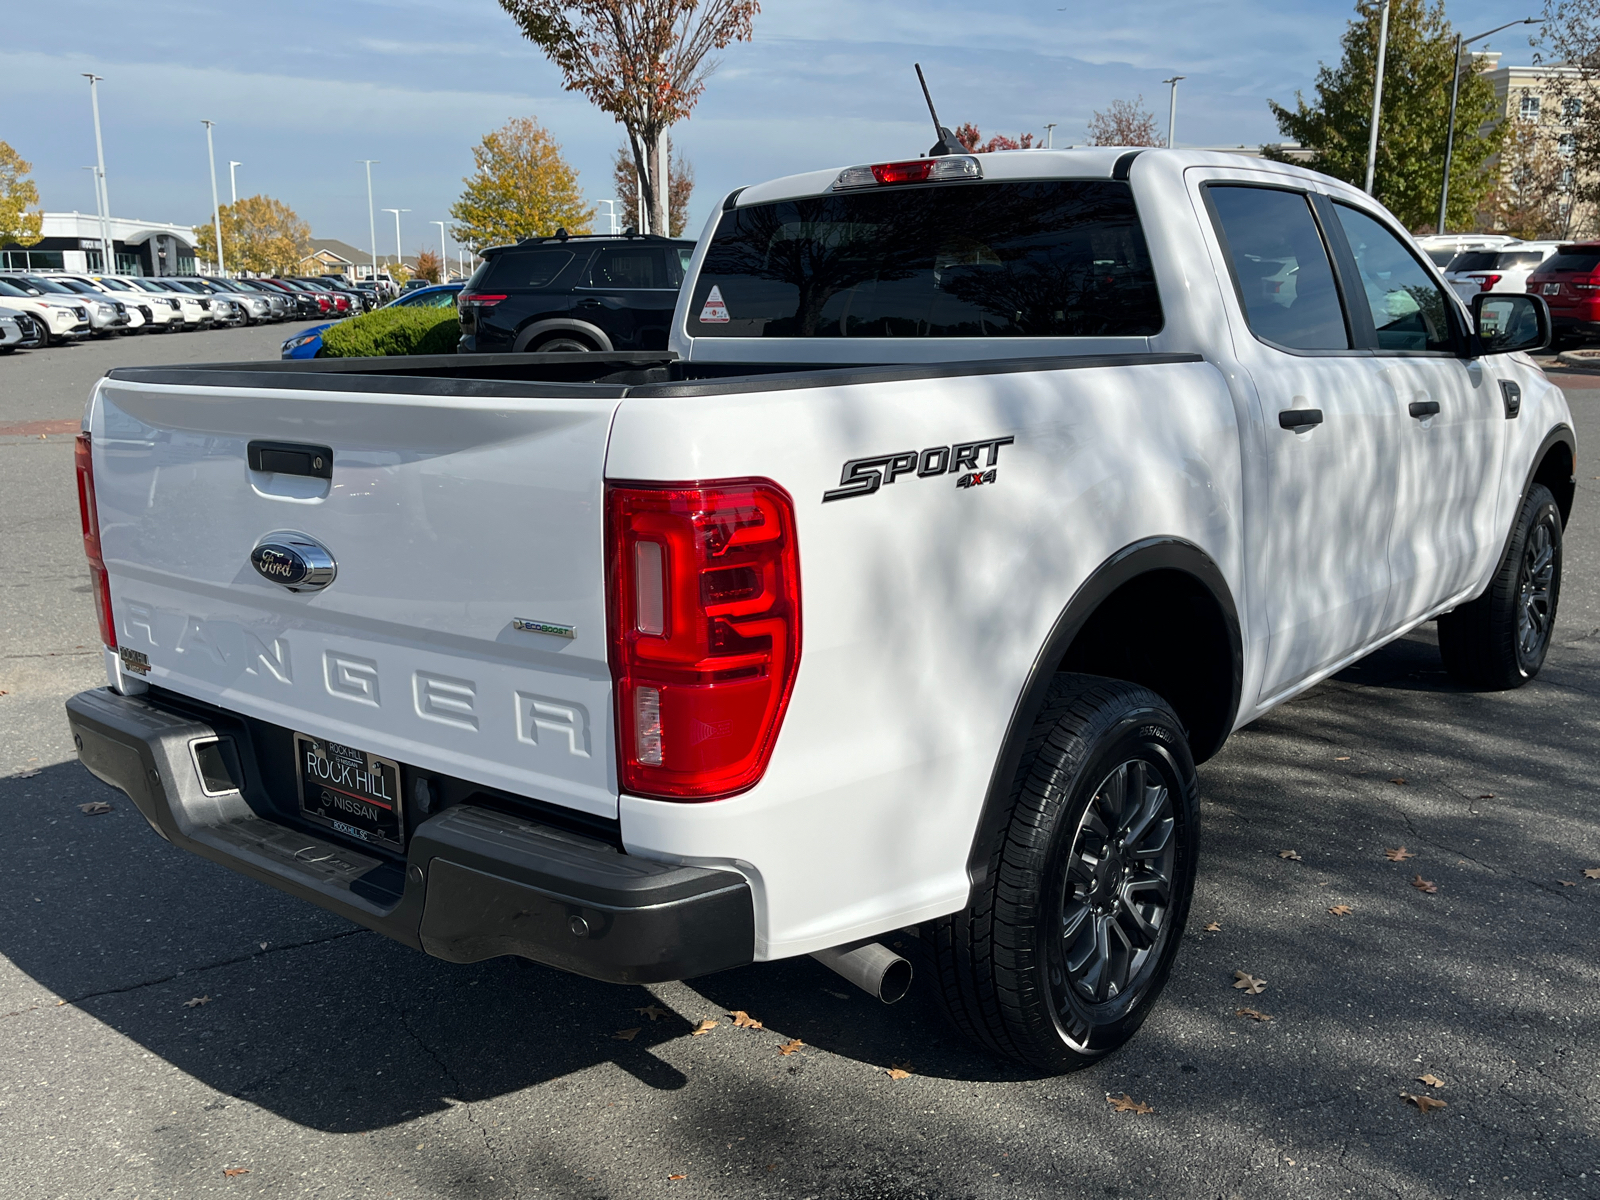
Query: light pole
x,y
372,225
611,213
233,181
94,173
1377,97
444,263
102,197
216,209
1455,89
399,255
1049,135
1172,111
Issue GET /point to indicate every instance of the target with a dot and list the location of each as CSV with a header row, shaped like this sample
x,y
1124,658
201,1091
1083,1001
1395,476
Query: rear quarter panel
x,y
924,607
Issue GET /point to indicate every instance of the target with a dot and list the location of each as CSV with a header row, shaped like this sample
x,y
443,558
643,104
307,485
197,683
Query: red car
x,y
1570,284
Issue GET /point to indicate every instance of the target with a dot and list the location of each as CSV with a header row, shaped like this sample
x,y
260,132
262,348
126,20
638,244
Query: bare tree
x,y
1124,124
680,183
1532,197
1571,31
643,61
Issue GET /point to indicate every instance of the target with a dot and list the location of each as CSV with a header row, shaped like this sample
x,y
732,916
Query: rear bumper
x,y
476,883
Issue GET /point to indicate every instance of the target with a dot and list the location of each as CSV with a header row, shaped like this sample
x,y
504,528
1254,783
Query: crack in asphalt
x,y
227,962
456,1085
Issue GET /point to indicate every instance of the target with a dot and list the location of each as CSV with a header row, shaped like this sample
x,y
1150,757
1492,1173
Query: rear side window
x,y
1474,260
1584,262
1524,258
635,266
524,268
1280,267
1048,259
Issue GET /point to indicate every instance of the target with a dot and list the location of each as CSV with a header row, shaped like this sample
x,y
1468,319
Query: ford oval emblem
x,y
295,560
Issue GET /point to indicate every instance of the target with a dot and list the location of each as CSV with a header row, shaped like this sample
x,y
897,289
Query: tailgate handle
x,y
292,458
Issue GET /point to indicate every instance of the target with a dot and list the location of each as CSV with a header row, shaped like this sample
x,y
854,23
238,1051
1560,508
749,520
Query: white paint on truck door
x,y
1320,533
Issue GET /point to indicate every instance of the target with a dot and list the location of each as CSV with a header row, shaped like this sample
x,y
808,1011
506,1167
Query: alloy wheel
x,y
1534,585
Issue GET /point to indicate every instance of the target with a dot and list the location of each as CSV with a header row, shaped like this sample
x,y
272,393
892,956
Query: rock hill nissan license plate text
x,y
350,791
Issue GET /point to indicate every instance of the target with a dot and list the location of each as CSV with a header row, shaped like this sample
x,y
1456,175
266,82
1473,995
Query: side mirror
x,y
1508,321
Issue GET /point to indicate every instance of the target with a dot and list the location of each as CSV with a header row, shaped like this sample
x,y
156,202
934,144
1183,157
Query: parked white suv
x,y
166,311
1442,247
976,499
1497,270
55,318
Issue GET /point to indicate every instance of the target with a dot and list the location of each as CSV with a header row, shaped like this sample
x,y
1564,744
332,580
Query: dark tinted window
x,y
49,285
1062,259
7,288
1281,267
1524,258
1474,260
524,268
1584,261
1409,310
636,266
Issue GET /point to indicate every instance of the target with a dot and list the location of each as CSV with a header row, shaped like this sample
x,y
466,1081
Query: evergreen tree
x,y
1416,112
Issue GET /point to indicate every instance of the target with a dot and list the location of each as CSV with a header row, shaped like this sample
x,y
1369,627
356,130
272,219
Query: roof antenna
x,y
947,143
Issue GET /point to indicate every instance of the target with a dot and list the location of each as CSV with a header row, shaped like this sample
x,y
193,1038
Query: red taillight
x,y
90,516
705,632
1486,282
914,171
481,299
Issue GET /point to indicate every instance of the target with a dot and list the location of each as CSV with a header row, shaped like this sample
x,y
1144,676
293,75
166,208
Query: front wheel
x,y
1499,640
1064,948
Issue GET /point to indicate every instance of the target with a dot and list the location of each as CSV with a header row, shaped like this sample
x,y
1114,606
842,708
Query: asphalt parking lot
x,y
168,1028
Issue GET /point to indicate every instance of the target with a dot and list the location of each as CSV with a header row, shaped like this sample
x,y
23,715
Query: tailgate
x,y
451,520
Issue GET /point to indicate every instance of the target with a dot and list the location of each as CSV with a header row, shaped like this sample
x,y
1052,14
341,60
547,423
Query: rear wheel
x,y
1063,950
1500,640
563,343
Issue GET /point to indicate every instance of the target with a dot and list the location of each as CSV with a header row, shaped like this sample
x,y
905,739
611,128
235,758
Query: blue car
x,y
307,342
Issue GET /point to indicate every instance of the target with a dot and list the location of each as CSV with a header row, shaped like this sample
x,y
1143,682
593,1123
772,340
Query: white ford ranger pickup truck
x,y
974,500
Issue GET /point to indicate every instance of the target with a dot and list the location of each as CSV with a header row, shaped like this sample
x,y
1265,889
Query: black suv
x,y
562,294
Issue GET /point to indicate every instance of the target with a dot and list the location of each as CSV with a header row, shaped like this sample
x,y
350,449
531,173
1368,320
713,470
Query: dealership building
x,y
75,242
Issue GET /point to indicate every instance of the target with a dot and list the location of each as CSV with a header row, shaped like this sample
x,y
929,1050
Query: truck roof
x,y
1089,162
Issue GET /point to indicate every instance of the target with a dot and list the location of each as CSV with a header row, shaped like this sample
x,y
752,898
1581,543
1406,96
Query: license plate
x,y
1552,289
350,791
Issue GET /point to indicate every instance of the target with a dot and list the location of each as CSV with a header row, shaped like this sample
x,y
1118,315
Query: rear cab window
x,y
1061,258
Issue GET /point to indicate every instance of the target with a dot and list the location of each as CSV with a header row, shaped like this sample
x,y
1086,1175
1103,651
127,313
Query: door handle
x,y
590,303
1424,408
1298,420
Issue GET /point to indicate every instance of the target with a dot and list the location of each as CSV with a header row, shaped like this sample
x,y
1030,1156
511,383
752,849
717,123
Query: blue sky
x,y
300,90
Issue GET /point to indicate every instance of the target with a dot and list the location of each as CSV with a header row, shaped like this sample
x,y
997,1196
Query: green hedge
x,y
393,331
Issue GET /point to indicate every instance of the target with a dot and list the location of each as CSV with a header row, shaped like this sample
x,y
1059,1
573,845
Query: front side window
x,y
1409,310
1047,259
1280,267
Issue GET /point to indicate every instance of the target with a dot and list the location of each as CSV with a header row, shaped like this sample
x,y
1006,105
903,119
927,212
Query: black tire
x,y
1004,966
1499,641
563,343
46,338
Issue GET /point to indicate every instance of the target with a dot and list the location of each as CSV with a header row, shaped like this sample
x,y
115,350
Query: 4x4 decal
x,y
863,476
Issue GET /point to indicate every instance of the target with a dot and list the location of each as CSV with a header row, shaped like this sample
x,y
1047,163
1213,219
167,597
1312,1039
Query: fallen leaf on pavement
x,y
677,1177
1213,928
1247,981
1398,779
743,1020
652,1010
1342,758
1126,1103
625,1035
30,775
1425,1103
789,1048
1252,1014
1294,854
1424,885
706,1026
1399,855
1486,796
1566,883
1431,1080
92,809
1340,910
230,1172
197,1002
1591,872
901,1070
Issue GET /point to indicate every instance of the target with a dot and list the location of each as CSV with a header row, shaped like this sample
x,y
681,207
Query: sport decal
x,y
863,476
715,311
